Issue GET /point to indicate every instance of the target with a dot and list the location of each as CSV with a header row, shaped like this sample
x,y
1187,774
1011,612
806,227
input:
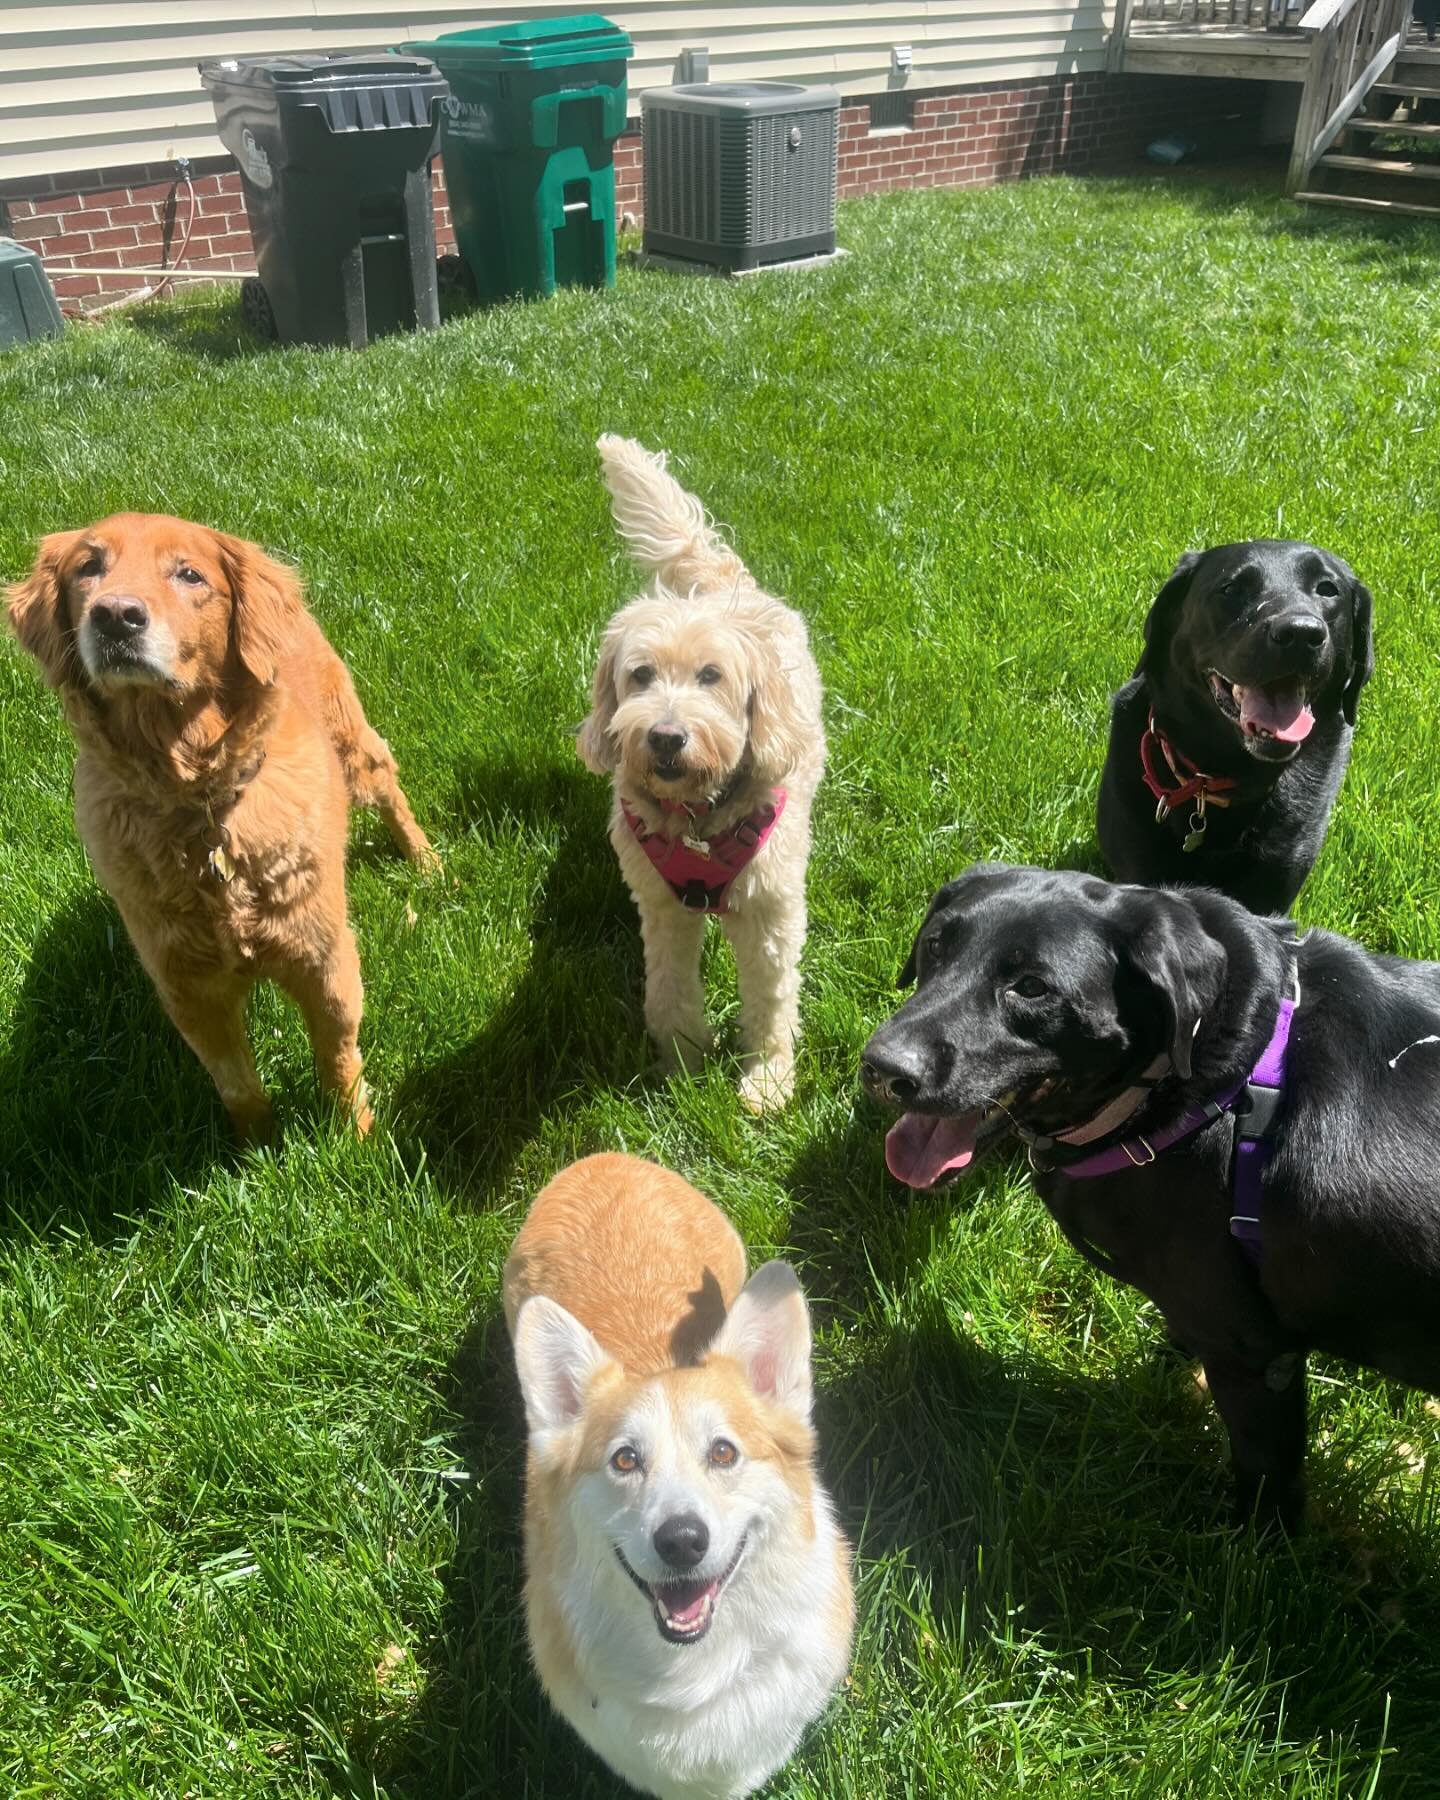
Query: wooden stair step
x,y
1400,130
1355,201
1381,165
1420,91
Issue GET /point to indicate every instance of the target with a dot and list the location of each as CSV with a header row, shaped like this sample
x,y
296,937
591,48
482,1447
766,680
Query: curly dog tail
x,y
668,531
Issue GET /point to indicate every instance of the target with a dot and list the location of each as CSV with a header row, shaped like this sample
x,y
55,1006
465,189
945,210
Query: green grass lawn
x,y
260,1442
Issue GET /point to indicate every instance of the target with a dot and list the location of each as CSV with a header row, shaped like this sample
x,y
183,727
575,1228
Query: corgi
x,y
687,1589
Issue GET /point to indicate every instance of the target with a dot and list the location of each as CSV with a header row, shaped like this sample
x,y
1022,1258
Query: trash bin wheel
x,y
452,276
255,304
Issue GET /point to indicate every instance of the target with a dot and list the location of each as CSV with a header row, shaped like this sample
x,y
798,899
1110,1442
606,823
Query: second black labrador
x,y
1228,746
1058,1006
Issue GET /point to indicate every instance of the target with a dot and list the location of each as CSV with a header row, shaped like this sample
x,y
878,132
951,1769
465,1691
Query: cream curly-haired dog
x,y
706,712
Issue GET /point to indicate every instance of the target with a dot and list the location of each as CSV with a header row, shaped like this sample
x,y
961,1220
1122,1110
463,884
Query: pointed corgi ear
x,y
767,1331
557,1358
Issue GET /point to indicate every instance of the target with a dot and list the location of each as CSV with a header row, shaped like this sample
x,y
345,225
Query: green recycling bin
x,y
28,307
527,133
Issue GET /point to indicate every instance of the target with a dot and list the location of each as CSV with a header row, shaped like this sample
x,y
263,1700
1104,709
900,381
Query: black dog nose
x,y
891,1074
682,1540
1297,631
118,616
666,740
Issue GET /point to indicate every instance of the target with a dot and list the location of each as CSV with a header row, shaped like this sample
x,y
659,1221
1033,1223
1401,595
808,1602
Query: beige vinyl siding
x,y
91,84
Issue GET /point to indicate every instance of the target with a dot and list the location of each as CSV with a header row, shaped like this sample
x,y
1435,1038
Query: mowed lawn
x,y
260,1443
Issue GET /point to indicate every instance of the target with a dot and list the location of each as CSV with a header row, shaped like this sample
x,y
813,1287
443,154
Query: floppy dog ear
x,y
767,1331
37,610
1160,620
1185,966
907,975
780,731
266,604
778,734
595,747
1362,648
556,1359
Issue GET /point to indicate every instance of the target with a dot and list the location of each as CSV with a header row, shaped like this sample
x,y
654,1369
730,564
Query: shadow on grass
x,y
478,1731
1090,1521
570,1024
1077,1540
1405,249
213,328
1092,1514
101,1104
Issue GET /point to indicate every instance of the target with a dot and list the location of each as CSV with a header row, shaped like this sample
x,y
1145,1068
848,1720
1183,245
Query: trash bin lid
x,y
344,69
530,44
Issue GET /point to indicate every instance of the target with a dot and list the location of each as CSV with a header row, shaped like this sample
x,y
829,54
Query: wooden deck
x,y
1243,52
1246,53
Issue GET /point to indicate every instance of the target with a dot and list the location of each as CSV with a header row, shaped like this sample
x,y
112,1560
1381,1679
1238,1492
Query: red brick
x,y
91,219
67,244
117,237
233,243
72,287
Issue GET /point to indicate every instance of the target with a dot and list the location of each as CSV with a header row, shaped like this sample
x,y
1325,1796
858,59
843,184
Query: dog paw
x,y
424,858
253,1122
767,1083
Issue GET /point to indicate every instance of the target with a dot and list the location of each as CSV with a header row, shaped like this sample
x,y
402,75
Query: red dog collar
x,y
1193,787
699,871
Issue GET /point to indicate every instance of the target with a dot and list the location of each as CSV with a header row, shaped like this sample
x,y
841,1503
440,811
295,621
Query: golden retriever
x,y
220,747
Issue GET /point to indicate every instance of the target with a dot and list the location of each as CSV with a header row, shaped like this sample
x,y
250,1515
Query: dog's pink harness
x,y
699,871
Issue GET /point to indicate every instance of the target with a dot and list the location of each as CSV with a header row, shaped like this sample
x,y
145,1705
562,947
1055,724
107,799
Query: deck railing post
x,y
1119,26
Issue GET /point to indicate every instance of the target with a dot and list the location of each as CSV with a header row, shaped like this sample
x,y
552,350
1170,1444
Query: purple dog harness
x,y
699,871
1263,1091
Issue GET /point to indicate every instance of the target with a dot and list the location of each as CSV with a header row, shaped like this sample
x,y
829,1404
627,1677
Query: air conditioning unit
x,y
740,173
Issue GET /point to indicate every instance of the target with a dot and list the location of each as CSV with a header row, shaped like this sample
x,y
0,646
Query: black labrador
x,y
1059,1007
1228,746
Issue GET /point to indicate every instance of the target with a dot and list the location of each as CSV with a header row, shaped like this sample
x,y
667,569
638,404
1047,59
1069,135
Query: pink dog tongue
x,y
920,1149
1279,712
685,1602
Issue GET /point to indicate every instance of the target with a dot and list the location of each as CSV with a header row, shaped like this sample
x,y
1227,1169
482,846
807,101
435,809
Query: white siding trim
x,y
104,83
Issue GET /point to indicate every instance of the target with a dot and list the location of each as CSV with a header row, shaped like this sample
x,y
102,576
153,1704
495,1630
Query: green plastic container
x,y
528,133
27,301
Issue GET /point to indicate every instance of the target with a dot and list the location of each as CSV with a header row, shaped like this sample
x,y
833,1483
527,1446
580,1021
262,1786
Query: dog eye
x,y
723,1454
934,943
191,577
1029,987
626,1460
643,676
93,565
1326,588
708,676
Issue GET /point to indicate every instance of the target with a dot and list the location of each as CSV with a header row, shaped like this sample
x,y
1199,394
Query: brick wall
x,y
966,137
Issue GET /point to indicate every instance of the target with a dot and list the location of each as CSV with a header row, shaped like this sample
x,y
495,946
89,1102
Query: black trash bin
x,y
334,155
